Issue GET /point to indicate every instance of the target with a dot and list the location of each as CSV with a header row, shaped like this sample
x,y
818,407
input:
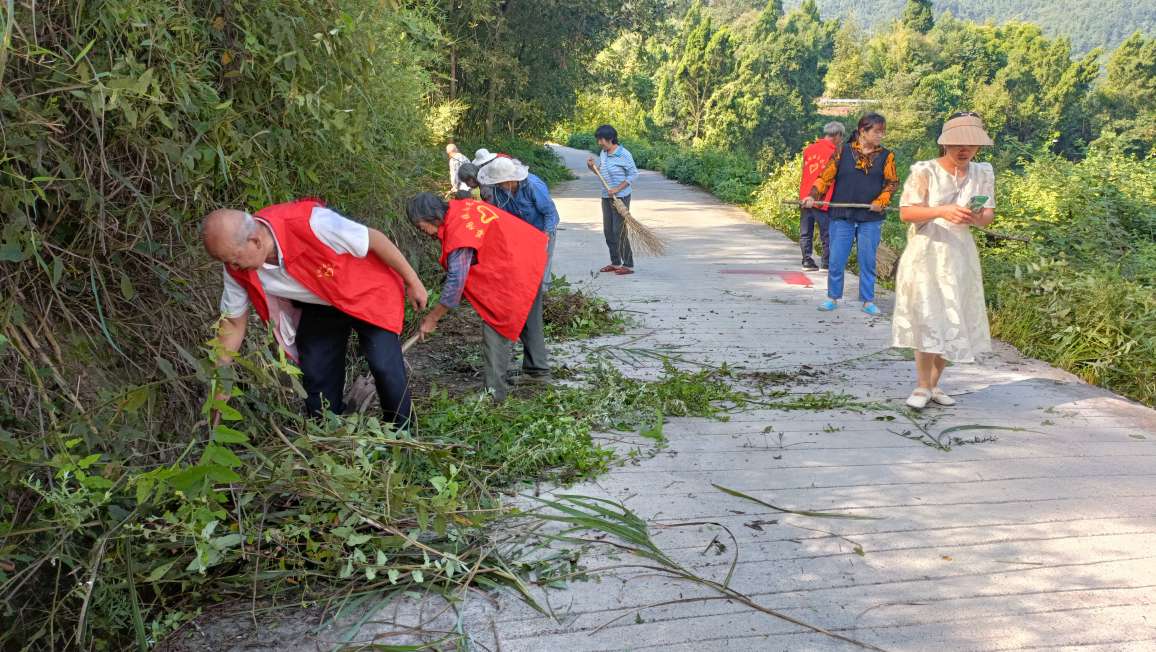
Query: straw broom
x,y
995,234
641,236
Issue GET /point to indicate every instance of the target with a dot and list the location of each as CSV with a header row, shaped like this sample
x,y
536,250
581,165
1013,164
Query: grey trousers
x,y
496,352
614,228
549,275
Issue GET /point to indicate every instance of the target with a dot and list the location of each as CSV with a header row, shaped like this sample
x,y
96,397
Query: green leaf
x,y
739,494
393,575
88,461
135,399
126,288
227,541
417,576
358,539
221,455
190,481
57,270
227,412
225,435
159,572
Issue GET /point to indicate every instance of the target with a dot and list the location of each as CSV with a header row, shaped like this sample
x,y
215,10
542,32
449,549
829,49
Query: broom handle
x,y
604,184
618,206
410,342
994,234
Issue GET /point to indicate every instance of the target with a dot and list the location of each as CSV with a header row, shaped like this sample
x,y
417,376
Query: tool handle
x,y
795,202
603,180
994,234
410,342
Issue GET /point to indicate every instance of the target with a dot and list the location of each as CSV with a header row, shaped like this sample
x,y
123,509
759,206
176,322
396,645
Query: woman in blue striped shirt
x,y
617,167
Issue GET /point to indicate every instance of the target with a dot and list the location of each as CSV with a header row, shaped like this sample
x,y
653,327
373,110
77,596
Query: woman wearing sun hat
x,y
524,195
939,305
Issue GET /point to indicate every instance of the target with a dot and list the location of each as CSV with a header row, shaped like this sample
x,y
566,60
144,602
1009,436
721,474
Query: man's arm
x,y
230,335
383,248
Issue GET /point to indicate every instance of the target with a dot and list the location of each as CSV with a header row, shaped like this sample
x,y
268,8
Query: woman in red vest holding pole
x,y
497,261
315,276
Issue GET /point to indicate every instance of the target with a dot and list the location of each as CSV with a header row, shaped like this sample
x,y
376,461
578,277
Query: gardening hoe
x,y
994,234
360,394
641,235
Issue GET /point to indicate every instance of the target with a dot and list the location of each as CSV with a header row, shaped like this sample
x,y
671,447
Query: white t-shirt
x,y
343,236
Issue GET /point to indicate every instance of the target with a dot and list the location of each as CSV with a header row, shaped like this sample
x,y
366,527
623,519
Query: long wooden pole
x,y
890,209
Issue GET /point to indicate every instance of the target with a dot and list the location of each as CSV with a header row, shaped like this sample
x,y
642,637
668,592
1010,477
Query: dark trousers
x,y
614,228
322,340
811,217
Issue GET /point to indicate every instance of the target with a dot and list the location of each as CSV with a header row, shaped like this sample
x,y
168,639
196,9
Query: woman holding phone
x,y
939,305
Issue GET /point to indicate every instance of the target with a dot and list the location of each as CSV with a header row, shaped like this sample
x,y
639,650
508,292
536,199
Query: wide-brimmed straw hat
x,y
502,169
965,129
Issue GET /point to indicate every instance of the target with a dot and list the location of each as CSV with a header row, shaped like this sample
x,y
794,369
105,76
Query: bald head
x,y
451,149
231,236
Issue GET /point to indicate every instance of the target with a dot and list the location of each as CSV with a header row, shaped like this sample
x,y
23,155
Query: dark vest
x,y
852,186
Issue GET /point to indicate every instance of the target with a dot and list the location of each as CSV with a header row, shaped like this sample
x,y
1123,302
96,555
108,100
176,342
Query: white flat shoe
x,y
940,397
918,398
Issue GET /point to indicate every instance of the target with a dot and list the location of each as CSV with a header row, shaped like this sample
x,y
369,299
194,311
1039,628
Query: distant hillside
x,y
1088,23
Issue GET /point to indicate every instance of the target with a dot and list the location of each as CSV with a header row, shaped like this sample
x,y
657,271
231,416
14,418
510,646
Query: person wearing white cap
x,y
523,194
457,159
939,304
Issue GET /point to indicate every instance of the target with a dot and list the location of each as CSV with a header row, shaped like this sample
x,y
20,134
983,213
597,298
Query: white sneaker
x,y
918,398
939,396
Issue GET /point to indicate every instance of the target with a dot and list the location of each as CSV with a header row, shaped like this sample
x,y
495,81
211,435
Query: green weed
x,y
570,313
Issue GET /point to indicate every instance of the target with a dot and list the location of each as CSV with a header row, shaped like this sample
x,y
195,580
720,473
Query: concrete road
x,y
1044,538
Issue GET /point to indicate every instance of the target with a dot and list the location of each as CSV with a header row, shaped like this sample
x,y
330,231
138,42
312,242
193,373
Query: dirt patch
x,y
451,359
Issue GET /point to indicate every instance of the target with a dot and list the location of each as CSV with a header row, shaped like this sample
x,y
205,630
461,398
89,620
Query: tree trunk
x,y
453,72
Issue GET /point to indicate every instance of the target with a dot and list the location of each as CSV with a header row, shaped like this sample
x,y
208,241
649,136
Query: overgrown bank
x,y
121,513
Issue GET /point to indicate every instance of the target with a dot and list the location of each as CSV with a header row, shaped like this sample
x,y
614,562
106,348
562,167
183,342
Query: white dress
x,y
939,306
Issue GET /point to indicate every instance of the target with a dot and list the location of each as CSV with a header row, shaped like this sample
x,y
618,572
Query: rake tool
x,y
995,234
641,236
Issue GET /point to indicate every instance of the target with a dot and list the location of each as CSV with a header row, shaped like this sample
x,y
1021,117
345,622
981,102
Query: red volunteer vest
x,y
365,288
511,260
815,158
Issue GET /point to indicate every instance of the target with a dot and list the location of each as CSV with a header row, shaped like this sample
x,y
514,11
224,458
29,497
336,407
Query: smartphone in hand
x,y
976,203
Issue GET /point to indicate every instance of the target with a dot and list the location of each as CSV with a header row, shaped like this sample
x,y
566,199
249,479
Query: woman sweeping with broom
x,y
616,165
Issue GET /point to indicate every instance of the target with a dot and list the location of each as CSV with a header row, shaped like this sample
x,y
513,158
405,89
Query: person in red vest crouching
x,y
497,261
315,276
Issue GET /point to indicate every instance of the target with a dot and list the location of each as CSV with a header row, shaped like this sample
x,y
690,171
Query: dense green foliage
x,y
514,67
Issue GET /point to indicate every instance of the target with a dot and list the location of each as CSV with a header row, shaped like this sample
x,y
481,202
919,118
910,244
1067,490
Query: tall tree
x,y
1126,100
918,16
